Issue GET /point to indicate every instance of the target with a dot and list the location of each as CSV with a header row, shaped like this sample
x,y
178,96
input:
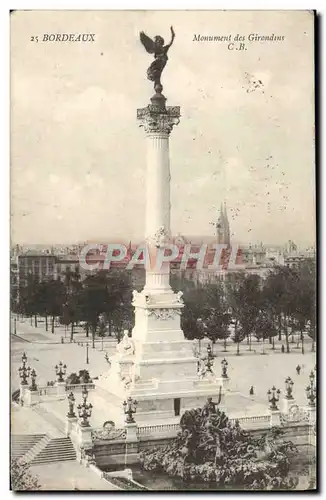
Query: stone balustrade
x,y
80,387
47,390
154,430
251,421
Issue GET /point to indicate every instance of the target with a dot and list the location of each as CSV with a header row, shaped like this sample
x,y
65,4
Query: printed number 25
x,y
34,39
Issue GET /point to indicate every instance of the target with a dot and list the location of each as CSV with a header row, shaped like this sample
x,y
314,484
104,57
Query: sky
x,y
246,135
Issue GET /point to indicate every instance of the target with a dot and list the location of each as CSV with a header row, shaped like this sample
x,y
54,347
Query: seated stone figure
x,y
126,346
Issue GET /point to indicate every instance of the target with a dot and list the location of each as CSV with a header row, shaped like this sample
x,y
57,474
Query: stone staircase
x,y
36,449
23,443
56,450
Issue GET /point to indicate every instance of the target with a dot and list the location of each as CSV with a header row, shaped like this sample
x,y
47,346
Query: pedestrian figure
x,y
298,368
251,392
282,348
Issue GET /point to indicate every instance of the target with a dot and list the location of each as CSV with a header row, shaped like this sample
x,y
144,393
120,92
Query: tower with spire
x,y
223,226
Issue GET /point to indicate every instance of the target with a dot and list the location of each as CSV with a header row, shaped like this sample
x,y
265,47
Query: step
x,y
51,460
36,449
58,449
20,445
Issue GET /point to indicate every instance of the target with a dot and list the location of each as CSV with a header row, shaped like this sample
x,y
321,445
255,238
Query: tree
x,y
192,315
265,328
21,477
244,298
215,313
106,295
51,297
210,449
279,296
30,298
72,302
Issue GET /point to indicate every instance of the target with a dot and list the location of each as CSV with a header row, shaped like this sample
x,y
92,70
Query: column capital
x,y
158,120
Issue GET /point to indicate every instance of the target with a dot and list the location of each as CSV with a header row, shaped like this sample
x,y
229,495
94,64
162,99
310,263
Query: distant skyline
x,y
246,134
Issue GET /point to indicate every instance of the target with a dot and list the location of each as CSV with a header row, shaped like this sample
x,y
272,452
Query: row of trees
x,y
101,302
237,308
246,305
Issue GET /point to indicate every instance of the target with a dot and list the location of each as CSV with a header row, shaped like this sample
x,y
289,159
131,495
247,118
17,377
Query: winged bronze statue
x,y
160,52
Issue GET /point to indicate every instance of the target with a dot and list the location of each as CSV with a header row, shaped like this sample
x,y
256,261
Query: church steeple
x,y
223,226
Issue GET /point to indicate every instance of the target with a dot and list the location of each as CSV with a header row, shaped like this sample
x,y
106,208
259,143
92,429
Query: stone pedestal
x,y
84,436
70,426
287,404
311,411
275,419
61,388
225,383
131,435
23,388
31,397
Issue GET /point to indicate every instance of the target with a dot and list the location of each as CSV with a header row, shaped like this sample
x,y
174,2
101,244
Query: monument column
x,y
158,121
162,370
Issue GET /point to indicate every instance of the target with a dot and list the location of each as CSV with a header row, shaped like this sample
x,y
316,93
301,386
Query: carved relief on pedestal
x,y
295,414
160,238
163,314
108,432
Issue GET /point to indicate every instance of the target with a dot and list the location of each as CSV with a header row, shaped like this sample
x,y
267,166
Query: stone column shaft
x,y
158,122
158,184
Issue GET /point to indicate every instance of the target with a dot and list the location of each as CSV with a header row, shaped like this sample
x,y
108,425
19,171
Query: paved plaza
x,y
248,369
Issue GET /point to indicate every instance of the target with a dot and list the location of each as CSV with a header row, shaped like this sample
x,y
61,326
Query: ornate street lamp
x,y
71,403
311,390
85,410
273,397
129,407
60,371
224,364
209,361
289,388
24,370
87,358
33,386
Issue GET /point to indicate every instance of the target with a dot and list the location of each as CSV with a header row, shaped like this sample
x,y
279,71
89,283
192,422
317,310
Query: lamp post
x,y
289,388
33,386
311,390
87,358
209,359
15,327
129,407
224,364
71,403
24,371
84,410
273,397
60,371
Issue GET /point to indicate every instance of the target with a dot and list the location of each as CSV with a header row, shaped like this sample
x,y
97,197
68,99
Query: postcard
x,y
163,251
